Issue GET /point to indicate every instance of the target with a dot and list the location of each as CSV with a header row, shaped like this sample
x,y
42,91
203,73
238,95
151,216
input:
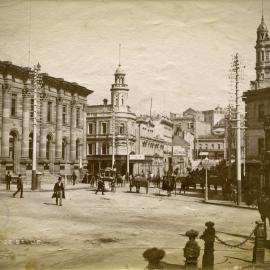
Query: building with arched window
x,y
107,119
61,139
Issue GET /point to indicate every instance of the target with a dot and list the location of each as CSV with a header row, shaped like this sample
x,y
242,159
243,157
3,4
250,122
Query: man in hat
x,y
154,256
59,191
8,180
74,177
209,238
19,186
191,250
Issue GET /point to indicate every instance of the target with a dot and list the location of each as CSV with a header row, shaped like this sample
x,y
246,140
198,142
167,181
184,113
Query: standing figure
x,y
8,180
100,186
59,191
191,250
74,177
19,186
208,237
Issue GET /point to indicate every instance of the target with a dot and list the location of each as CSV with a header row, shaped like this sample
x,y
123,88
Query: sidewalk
x,y
230,204
45,187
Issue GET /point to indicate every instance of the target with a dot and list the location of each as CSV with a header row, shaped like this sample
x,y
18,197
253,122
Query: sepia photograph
x,y
134,134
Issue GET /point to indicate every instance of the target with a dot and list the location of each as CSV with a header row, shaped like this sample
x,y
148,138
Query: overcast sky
x,y
177,52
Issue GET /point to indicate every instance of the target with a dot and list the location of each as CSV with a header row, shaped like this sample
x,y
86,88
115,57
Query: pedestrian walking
x,y
8,180
59,191
19,186
74,177
100,186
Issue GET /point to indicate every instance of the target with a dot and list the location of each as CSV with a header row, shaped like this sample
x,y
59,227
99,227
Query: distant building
x,y
257,102
213,117
213,144
154,142
101,127
61,145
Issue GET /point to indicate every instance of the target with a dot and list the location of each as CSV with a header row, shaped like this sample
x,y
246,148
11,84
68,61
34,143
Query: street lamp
x,y
206,160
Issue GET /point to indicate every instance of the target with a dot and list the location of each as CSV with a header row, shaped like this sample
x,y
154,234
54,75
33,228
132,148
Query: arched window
x,y
12,138
30,153
77,149
48,146
64,145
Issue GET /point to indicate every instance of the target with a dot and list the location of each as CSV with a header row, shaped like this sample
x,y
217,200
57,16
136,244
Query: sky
x,y
176,52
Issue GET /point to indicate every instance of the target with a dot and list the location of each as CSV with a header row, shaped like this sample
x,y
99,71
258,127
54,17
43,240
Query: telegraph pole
x,y
236,78
127,141
113,135
36,85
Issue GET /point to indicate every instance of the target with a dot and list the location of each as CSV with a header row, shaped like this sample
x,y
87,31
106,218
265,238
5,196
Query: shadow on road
x,y
49,203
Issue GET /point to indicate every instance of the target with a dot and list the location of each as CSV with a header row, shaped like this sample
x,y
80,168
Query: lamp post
x,y
206,160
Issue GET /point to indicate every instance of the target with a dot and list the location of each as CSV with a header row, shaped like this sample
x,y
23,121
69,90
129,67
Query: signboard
x,y
136,157
203,154
179,151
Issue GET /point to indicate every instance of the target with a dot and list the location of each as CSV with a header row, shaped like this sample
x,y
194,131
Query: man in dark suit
x,y
59,191
74,177
101,186
8,180
19,186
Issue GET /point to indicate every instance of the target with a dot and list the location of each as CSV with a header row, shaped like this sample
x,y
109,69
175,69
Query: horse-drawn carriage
x,y
108,175
138,182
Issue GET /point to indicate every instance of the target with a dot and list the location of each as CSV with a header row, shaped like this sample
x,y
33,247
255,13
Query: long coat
x,y
58,187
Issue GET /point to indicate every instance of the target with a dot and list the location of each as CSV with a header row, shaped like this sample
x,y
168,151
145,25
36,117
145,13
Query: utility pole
x,y
236,68
113,135
36,82
127,141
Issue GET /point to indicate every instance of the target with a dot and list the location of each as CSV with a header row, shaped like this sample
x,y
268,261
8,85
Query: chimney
x,y
105,101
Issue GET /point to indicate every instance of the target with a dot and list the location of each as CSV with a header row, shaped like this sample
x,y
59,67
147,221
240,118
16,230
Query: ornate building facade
x,y
257,101
111,129
61,143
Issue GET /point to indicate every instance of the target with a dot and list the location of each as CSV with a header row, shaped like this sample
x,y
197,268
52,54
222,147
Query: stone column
x,y
43,130
73,130
25,124
59,124
6,120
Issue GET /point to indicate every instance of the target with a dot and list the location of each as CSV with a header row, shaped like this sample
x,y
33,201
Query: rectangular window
x,y
78,117
91,149
261,112
122,129
64,114
49,112
104,128
105,149
32,108
267,56
218,146
261,146
91,127
13,104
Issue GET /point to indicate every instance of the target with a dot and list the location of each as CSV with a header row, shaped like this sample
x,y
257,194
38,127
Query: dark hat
x,y
154,253
209,224
192,233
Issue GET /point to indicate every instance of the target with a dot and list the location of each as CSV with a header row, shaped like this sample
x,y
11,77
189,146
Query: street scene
x,y
134,134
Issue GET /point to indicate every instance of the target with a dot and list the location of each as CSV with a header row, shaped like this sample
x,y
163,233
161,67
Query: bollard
x,y
209,239
260,237
191,250
154,256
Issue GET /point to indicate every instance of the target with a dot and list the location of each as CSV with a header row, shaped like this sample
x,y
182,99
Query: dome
x,y
262,26
119,71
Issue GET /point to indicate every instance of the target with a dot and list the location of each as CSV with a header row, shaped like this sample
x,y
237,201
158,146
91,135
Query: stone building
x,y
154,142
108,121
61,123
257,101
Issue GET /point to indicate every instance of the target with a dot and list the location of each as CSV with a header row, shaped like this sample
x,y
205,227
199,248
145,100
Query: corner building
x,y
61,143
